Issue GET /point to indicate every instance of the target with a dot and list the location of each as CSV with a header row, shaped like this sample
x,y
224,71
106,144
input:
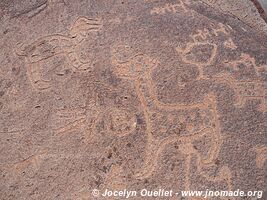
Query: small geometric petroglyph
x,y
251,90
122,53
209,32
136,67
129,64
52,45
198,53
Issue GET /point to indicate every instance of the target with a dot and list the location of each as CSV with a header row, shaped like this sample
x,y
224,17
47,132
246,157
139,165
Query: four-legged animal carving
x,y
137,68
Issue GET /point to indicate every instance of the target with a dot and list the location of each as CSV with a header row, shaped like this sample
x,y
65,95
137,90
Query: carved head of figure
x,y
83,26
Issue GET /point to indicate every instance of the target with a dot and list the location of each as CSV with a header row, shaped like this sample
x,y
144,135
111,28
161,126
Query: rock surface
x,y
129,95
250,12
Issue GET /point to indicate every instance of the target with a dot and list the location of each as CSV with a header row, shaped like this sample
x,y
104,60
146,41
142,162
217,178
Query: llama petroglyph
x,y
38,52
184,123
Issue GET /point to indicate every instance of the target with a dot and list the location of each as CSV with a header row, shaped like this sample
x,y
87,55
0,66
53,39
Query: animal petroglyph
x,y
261,156
176,116
170,8
46,47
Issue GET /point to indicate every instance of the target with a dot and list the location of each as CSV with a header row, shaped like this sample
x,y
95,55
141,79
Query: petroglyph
x,y
135,68
222,29
166,122
224,174
72,120
75,119
201,51
211,31
158,145
32,162
121,122
245,90
201,35
261,156
46,47
117,121
245,63
198,53
243,75
251,90
170,8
